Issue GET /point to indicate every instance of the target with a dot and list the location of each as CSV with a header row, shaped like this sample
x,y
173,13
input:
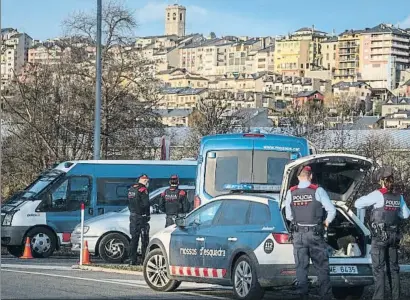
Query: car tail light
x,y
253,135
197,201
281,238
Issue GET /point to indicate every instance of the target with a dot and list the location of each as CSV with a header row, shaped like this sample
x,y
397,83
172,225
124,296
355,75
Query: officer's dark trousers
x,y
169,220
384,253
135,231
138,227
307,245
144,239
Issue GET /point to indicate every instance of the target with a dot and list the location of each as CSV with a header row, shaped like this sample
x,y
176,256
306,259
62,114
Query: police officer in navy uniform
x,y
388,207
173,201
304,208
139,206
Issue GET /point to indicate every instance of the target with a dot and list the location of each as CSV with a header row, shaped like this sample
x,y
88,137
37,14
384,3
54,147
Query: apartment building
x,y
239,52
395,105
385,53
292,57
399,120
261,60
14,53
348,56
351,92
181,98
188,80
47,52
237,100
315,37
164,50
237,82
329,53
204,56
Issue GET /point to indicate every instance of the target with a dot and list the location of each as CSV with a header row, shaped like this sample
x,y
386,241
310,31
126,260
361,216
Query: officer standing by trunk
x,y
139,206
304,208
388,207
173,201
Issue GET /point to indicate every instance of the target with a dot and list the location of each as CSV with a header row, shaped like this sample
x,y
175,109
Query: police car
x,y
241,239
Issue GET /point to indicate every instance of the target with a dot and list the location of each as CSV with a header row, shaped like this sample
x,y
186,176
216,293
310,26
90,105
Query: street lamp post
x,y
97,117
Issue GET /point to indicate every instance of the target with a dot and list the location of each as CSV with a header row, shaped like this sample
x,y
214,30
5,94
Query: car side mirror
x,y
180,222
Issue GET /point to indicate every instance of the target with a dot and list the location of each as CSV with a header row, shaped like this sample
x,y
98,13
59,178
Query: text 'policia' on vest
x,y
306,209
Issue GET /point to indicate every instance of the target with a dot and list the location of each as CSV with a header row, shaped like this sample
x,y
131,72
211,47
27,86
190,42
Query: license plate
x,y
343,270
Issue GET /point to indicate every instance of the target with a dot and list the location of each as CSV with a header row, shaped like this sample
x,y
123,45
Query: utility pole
x,y
97,117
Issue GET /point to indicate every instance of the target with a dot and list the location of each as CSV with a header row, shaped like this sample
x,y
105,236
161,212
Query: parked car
x,y
108,235
241,239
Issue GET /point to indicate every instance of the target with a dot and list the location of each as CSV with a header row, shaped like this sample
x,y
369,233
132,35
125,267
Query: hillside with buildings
x,y
366,67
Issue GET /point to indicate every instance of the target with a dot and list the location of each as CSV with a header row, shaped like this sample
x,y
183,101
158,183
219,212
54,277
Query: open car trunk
x,y
341,176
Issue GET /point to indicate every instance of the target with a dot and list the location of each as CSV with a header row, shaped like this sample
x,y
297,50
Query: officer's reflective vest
x,y
305,208
389,212
172,203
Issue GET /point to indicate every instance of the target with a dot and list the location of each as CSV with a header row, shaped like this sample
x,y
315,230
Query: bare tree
x,y
51,111
212,116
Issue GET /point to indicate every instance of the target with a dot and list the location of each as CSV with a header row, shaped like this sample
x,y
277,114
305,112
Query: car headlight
x,y
8,218
77,230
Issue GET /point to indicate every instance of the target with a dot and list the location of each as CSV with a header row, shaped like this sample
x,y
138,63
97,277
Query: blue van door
x,y
62,204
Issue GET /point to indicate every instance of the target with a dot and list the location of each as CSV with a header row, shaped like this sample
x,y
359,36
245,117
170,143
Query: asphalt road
x,y
55,279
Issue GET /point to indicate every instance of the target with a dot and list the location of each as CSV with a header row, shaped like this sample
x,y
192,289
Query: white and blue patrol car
x,y
241,239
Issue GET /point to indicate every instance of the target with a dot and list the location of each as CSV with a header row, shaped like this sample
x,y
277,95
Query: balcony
x,y
348,45
400,39
398,52
349,59
402,46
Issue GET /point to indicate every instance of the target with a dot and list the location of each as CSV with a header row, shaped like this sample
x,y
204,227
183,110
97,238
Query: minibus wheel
x,y
43,242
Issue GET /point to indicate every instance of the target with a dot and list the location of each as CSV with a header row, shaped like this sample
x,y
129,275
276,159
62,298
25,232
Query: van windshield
x,y
243,166
31,191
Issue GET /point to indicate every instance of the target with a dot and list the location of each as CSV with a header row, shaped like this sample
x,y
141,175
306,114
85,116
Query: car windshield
x,y
243,166
32,190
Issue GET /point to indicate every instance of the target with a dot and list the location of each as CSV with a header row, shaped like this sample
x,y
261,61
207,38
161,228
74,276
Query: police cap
x,y
384,172
307,169
143,176
174,180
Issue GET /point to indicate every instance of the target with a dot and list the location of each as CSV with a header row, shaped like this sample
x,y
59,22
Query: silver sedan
x,y
108,235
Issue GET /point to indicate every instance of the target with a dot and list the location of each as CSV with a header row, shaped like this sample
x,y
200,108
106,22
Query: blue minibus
x,y
48,210
245,158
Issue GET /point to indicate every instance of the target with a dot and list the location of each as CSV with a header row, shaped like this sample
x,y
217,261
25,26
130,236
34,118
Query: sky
x,y
42,19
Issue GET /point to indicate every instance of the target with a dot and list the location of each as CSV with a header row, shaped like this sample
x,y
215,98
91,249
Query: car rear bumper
x,y
13,235
285,275
76,243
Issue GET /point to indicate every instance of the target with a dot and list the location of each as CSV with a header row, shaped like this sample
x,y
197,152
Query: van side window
x,y
68,195
113,191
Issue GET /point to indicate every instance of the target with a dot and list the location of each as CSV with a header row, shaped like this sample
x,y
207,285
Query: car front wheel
x,y
245,281
156,274
113,248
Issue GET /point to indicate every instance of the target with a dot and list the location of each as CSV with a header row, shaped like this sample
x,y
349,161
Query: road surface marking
x,y
183,285
38,267
106,281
